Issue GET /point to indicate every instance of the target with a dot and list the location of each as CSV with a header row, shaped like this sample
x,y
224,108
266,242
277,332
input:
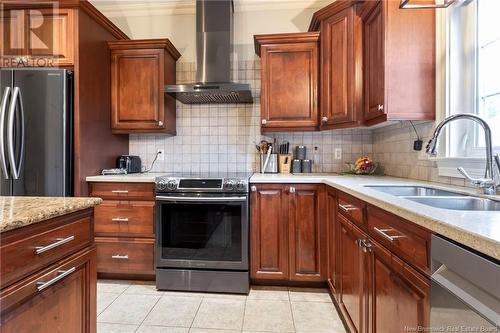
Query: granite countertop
x,y
148,177
479,230
22,211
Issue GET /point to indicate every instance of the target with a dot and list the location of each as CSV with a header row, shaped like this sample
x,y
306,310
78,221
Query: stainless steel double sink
x,y
439,198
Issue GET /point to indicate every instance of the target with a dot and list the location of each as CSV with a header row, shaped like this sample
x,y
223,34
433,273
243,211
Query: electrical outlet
x,y
338,153
161,154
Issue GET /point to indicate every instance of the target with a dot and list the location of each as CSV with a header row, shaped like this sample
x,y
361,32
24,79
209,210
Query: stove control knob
x,y
229,185
241,186
172,185
161,185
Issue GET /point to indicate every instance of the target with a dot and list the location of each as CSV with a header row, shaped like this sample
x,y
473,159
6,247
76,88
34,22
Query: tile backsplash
x,y
222,137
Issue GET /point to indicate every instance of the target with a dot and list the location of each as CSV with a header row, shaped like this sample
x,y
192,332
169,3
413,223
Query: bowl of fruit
x,y
363,166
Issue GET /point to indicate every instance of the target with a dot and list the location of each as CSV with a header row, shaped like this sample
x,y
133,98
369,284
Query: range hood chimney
x,y
214,34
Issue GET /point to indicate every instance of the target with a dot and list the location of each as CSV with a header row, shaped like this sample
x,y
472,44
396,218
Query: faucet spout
x,y
489,182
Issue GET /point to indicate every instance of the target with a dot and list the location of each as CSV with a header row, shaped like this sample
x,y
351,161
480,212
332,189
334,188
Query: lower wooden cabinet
x,y
353,275
288,233
67,305
124,230
378,291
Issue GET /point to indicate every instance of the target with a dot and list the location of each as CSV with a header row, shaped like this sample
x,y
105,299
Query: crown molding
x,y
187,7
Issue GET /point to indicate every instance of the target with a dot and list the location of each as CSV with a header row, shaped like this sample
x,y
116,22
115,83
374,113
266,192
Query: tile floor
x,y
128,306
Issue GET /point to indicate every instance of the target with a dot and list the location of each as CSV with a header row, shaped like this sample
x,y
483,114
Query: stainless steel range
x,y
202,233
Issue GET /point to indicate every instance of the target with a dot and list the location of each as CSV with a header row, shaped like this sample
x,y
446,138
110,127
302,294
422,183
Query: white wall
x,y
150,21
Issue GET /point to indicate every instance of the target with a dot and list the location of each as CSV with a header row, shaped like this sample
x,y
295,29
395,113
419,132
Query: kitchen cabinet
x,y
38,37
381,287
125,229
353,265
139,71
307,233
340,65
269,232
72,35
398,62
53,290
288,233
333,241
289,81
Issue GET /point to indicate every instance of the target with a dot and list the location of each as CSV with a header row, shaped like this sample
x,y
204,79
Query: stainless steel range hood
x,y
214,34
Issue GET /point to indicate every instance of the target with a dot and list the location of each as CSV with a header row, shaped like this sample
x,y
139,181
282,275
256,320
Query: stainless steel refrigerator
x,y
36,146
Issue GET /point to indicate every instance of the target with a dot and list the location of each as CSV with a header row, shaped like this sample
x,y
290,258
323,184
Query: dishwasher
x,y
465,289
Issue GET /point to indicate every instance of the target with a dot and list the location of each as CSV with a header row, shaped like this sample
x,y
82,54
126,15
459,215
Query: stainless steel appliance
x,y
214,49
129,163
465,290
36,131
202,233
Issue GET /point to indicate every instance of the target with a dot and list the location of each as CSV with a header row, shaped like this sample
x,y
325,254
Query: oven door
x,y
202,230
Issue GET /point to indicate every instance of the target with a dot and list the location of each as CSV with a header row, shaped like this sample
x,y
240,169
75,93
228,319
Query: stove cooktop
x,y
203,182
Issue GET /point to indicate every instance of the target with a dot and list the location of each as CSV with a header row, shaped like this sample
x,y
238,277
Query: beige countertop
x,y
148,177
22,211
479,230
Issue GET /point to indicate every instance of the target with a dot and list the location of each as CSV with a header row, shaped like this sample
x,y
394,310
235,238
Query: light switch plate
x,y
338,153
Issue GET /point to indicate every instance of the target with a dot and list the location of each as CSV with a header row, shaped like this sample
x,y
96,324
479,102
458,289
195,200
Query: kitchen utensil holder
x,y
285,163
272,164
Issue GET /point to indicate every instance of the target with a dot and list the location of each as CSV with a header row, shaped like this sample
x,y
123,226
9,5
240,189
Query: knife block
x,y
285,163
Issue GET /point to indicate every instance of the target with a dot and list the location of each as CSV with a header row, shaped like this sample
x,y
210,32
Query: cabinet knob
x,y
160,123
324,119
263,121
253,188
292,189
380,107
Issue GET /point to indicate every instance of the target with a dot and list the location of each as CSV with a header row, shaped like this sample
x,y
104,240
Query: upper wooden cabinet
x,y
399,62
139,71
288,233
289,81
340,65
38,37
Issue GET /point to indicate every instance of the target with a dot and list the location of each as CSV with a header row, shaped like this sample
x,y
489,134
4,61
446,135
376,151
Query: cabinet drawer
x,y
125,218
140,191
29,254
402,238
351,208
125,255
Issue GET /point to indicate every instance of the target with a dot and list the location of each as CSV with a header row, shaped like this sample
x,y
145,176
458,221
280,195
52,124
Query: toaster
x,y
129,163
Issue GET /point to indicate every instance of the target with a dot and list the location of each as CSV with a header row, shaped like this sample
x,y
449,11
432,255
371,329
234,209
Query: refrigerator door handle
x,y
3,110
16,100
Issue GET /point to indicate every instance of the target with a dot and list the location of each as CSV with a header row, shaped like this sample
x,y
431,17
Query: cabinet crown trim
x,y
285,38
163,43
328,11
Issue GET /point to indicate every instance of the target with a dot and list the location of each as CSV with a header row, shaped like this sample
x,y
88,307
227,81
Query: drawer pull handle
x,y
117,256
60,241
62,274
382,232
120,191
347,208
120,219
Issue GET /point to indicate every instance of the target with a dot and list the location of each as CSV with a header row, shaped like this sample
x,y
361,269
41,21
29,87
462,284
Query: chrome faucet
x,y
490,181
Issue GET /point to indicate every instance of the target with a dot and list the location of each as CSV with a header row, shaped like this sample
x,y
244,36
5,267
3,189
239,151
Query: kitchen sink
x,y
413,191
458,203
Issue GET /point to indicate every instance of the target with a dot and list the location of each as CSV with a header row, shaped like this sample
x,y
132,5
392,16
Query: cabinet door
x,y
340,59
289,86
333,274
373,44
51,36
65,305
353,273
13,34
137,90
269,232
399,295
308,236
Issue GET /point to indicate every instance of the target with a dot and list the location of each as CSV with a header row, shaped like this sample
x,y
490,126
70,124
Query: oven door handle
x,y
200,199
